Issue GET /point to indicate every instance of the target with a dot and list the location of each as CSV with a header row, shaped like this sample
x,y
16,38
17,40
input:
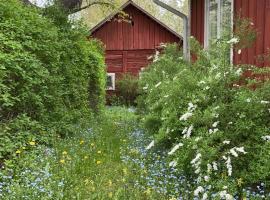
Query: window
x,y
110,84
218,19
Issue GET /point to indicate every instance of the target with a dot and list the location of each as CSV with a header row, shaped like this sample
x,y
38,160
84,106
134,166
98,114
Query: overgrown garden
x,y
199,130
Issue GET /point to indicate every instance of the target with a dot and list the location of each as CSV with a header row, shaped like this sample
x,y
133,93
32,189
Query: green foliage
x,y
127,89
208,107
47,71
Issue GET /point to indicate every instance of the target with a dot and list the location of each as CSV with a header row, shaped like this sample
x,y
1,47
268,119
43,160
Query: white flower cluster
x,y
175,148
225,195
187,132
214,129
187,115
233,41
200,190
196,162
266,138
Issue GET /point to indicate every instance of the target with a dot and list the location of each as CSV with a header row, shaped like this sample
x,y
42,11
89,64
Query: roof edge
x,y
130,2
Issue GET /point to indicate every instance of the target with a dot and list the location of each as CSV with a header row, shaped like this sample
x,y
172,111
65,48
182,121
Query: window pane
x,y
213,16
226,17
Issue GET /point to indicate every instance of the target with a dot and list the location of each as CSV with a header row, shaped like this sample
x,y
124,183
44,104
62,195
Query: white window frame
x,y
219,19
111,88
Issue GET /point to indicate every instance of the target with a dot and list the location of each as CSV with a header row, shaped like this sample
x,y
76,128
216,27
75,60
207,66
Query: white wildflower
x,y
150,145
266,138
199,190
233,41
233,152
173,163
185,116
215,124
175,148
166,96
211,131
230,123
196,159
158,84
209,167
248,100
229,166
265,102
206,178
215,166
226,142
191,107
205,196
207,88
241,150
188,132
201,83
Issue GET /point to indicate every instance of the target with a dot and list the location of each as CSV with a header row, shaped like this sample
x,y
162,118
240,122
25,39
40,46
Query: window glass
x,y
219,19
213,20
226,16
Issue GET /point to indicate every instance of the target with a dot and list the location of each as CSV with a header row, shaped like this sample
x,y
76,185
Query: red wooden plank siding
x,y
267,31
129,45
197,20
260,28
259,13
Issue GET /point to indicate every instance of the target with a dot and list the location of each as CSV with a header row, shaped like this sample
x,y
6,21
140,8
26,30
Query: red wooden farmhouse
x,y
130,41
209,17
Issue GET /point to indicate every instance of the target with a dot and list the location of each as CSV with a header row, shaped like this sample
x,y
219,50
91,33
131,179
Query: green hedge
x,y
50,74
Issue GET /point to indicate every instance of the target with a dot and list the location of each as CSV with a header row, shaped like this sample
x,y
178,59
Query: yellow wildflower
x,y
110,195
86,181
124,140
18,151
240,182
125,171
92,144
98,162
23,148
64,153
99,152
32,143
148,191
110,183
85,157
82,142
62,161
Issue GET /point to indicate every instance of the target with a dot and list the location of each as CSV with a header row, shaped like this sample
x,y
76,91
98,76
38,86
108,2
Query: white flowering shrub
x,y
215,125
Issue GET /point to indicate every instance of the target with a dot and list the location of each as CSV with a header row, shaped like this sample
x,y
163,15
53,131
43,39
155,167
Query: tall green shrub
x,y
215,126
50,73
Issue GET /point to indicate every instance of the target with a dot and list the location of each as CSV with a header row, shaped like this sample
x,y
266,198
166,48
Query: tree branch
x,y
91,4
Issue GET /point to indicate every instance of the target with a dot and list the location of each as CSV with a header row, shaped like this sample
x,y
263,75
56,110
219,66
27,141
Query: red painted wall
x,y
128,46
197,20
257,10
